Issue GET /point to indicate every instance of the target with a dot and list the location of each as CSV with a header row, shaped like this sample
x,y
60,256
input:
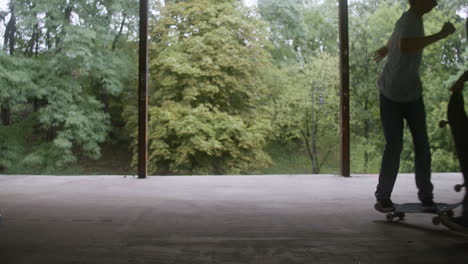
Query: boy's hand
x,y
464,77
460,83
447,30
380,54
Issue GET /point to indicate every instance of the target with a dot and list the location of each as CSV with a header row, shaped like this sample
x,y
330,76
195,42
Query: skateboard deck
x,y
443,209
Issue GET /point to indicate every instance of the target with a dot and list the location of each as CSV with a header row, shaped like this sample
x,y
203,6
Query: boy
x,y
401,98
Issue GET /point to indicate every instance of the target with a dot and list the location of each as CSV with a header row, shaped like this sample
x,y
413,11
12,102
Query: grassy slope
x,y
115,160
291,159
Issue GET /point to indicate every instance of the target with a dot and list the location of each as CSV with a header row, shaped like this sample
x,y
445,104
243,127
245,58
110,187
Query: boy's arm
x,y
460,83
409,45
381,53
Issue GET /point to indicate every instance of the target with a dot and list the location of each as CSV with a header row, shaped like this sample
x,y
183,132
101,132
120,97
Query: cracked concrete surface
x,y
218,219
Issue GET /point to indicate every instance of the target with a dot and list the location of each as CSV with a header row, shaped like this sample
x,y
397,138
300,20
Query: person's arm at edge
x,y
381,53
459,84
409,45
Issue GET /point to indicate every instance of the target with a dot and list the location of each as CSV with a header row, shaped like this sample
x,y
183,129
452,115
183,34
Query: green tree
x,y
206,114
307,112
321,20
288,30
77,61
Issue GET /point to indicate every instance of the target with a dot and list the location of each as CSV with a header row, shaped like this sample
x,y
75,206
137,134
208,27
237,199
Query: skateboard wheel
x,y
390,217
458,187
436,220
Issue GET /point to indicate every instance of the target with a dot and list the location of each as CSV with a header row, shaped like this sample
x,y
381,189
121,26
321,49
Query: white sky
x,y
3,7
247,2
3,4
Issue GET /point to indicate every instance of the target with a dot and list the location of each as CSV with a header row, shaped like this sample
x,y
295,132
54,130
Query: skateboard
x,y
443,210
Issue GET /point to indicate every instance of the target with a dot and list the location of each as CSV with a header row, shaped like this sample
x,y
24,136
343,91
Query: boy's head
x,y
422,6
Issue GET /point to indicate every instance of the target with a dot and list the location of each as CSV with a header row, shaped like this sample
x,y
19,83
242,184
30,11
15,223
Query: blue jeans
x,y
392,115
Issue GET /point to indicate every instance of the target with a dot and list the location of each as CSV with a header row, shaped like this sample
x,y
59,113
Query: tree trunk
x,y
48,41
6,114
36,53
51,134
10,31
35,105
309,148
68,12
366,136
312,135
106,101
32,42
116,39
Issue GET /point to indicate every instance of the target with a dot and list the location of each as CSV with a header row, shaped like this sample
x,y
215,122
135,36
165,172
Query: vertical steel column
x,y
143,93
344,88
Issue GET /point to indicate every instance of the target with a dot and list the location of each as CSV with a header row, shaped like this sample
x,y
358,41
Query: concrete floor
x,y
218,219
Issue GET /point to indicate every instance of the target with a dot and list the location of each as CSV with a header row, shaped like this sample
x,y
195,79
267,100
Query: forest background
x,y
234,89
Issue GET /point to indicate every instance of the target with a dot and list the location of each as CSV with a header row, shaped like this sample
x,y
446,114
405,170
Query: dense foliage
x,y
63,65
228,83
207,61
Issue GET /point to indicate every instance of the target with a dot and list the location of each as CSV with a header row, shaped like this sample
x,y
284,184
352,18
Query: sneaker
x,y
429,206
384,205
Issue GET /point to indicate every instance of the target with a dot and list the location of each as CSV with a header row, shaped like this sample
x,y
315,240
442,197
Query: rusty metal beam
x,y
344,89
143,93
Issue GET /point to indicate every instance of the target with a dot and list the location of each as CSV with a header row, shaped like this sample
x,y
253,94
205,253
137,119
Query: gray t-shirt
x,y
400,79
